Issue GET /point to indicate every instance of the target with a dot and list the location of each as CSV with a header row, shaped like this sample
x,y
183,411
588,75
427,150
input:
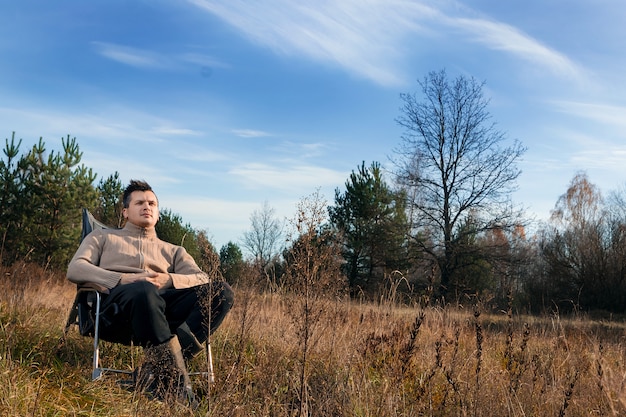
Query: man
x,y
157,297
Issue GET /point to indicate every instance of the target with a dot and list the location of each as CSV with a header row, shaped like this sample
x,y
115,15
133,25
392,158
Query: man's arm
x,y
185,272
84,267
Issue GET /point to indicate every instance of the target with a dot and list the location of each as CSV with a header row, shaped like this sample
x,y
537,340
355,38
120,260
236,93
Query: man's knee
x,y
227,295
140,316
216,294
144,297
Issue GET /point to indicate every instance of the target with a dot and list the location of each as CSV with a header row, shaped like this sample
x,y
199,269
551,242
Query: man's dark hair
x,y
134,185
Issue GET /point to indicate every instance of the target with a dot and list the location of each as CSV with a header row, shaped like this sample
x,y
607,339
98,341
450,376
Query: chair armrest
x,y
90,286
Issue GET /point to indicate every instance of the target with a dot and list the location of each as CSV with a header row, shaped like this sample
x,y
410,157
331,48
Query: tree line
x,y
440,223
41,196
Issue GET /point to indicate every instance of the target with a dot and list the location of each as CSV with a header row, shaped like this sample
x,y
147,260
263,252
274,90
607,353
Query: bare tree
x,y
583,250
581,204
452,160
262,240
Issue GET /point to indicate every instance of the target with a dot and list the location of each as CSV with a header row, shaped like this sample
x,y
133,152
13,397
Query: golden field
x,y
360,359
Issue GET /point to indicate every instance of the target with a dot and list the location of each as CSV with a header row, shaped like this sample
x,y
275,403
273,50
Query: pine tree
x,y
371,221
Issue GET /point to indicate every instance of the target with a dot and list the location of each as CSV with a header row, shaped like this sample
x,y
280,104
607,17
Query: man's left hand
x,y
159,279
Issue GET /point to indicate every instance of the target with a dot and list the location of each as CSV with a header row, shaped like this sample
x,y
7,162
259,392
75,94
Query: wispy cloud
x,y
129,56
287,177
129,167
302,150
174,131
46,122
503,37
114,123
612,159
205,210
250,133
202,60
361,36
148,59
602,113
367,37
191,153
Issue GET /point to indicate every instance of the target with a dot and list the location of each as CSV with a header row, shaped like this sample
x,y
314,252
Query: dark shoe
x,y
146,381
188,398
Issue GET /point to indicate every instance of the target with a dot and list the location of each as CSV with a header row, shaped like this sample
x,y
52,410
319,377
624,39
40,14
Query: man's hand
x,y
159,279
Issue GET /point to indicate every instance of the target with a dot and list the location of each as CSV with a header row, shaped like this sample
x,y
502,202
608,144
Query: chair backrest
x,y
82,311
90,223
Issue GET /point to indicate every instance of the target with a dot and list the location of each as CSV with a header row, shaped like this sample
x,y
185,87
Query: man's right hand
x,y
160,281
129,278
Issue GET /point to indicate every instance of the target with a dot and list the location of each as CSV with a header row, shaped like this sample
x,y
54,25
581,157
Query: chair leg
x,y
97,371
210,360
209,374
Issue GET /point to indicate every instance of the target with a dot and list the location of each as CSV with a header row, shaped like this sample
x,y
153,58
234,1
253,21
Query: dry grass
x,y
364,360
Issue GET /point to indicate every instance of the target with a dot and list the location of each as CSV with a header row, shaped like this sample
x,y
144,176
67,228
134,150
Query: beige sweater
x,y
104,255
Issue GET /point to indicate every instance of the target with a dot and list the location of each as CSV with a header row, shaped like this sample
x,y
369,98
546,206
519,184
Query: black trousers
x,y
140,313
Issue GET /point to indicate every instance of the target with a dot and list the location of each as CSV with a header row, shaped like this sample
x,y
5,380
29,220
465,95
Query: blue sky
x,y
223,105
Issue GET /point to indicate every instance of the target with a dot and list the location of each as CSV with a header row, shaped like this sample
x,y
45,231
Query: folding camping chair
x,y
86,312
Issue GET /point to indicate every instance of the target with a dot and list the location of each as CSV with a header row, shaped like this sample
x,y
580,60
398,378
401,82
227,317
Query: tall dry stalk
x,y
312,278
479,347
567,394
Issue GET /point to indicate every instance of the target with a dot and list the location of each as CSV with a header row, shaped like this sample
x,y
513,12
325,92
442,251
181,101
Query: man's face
x,y
143,210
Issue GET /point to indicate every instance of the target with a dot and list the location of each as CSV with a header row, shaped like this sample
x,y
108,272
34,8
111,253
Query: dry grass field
x,y
369,360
